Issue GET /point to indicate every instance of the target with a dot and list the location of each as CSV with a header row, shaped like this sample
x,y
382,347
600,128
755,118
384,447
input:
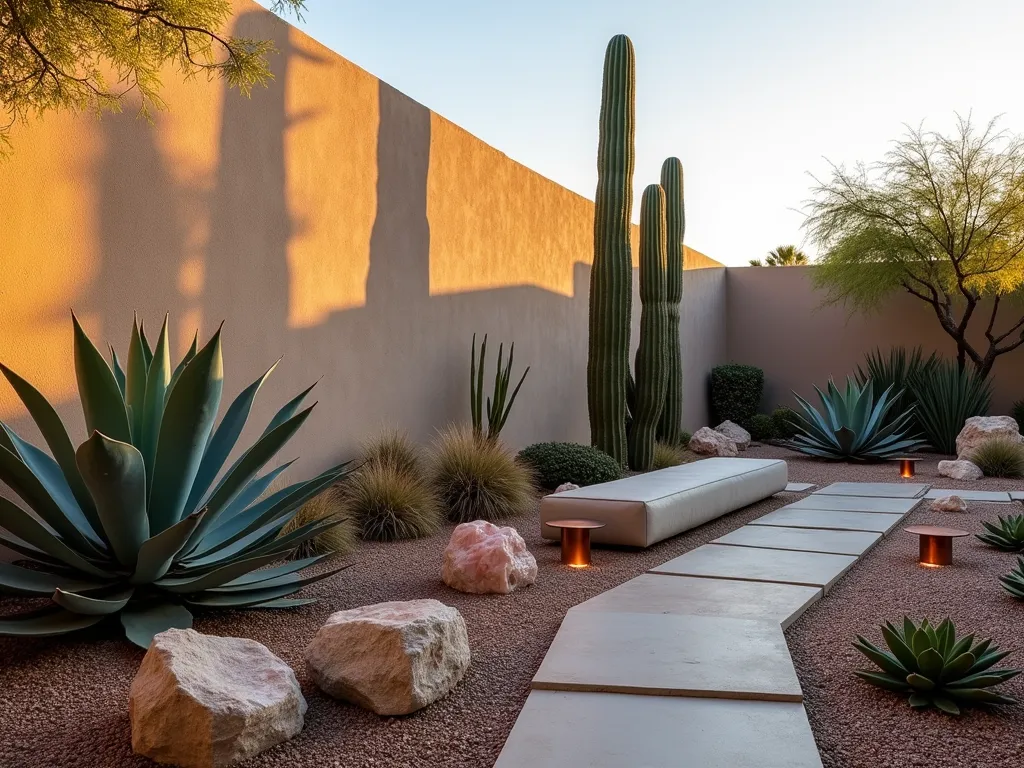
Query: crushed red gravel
x,y
63,701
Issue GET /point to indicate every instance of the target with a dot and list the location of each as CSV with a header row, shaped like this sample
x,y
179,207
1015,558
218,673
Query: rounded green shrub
x,y
784,423
479,479
761,427
736,392
557,463
684,438
1000,457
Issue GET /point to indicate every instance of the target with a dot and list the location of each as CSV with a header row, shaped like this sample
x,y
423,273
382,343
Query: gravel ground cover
x,y
63,701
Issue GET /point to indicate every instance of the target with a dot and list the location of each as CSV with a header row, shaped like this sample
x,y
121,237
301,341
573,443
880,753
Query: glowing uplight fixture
x,y
935,544
576,540
907,466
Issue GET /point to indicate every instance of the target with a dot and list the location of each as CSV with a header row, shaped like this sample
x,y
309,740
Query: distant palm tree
x,y
783,256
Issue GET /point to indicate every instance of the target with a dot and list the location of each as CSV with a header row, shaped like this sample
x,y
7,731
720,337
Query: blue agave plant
x,y
854,425
140,520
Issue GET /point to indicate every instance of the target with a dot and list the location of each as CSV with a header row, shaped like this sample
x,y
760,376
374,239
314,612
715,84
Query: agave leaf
x,y
48,622
157,553
248,466
983,695
142,623
116,477
889,663
189,354
214,578
256,577
899,648
920,682
957,667
268,544
188,419
158,378
284,580
284,603
888,682
930,663
147,348
223,440
23,548
56,436
288,410
984,679
92,606
38,480
25,527
960,647
920,700
34,583
119,374
102,404
250,494
243,598
989,660
135,383
946,705
909,628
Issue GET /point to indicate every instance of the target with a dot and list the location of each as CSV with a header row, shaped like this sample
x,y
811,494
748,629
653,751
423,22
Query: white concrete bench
x,y
644,509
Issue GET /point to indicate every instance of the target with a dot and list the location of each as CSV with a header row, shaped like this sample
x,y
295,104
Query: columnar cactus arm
x,y
652,356
671,425
612,274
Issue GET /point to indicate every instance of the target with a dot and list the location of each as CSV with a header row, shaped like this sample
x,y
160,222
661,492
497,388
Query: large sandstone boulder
x,y
390,658
736,433
482,558
978,429
708,442
199,701
961,469
949,504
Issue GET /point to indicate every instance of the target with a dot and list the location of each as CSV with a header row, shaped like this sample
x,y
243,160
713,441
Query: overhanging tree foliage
x,y
89,54
783,256
940,217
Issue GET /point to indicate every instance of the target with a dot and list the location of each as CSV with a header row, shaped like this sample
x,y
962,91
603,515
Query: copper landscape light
x,y
907,467
576,540
936,544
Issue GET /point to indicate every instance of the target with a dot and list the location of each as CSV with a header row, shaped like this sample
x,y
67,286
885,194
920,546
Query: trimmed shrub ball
x,y
762,427
557,463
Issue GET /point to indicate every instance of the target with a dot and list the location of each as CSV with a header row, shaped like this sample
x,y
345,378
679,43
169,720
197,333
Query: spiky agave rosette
x,y
1007,536
140,520
934,668
853,425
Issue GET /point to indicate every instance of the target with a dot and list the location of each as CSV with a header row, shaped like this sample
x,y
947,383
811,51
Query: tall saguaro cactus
x,y
611,278
671,425
652,356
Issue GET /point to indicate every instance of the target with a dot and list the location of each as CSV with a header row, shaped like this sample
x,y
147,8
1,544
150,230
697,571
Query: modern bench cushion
x,y
644,509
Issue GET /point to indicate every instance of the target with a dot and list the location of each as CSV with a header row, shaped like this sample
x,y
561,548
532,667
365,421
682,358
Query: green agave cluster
x,y
1013,582
1007,536
140,520
935,668
853,425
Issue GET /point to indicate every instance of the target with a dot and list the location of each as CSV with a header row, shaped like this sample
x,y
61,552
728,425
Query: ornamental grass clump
x,y
390,496
934,668
1007,536
1000,457
666,456
479,479
142,520
556,463
341,539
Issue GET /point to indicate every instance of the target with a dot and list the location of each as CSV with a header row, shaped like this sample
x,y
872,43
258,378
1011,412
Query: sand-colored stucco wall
x,y
777,322
329,219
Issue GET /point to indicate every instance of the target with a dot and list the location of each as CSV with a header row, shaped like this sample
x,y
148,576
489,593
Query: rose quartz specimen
x,y
482,558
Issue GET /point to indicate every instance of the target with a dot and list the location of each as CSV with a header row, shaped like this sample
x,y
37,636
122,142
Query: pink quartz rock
x,y
483,559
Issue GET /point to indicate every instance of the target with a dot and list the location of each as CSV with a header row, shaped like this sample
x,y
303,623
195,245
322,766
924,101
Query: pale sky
x,y
751,95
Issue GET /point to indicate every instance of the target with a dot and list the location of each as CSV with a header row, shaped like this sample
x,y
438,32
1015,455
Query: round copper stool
x,y
936,544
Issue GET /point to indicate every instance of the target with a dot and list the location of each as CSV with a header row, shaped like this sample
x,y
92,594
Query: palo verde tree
x,y
940,217
90,54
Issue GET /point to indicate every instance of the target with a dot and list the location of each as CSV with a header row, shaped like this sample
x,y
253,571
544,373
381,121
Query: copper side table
x,y
936,544
576,540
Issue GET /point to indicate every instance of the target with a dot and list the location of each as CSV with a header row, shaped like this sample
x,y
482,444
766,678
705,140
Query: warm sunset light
x,y
907,467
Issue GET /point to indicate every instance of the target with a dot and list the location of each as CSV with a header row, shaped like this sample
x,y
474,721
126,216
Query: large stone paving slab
x,y
664,655
802,539
559,729
715,561
1017,495
884,490
798,487
938,493
856,504
832,520
682,595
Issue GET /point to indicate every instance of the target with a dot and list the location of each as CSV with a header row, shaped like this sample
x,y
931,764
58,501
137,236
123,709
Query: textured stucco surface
x,y
328,219
777,322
